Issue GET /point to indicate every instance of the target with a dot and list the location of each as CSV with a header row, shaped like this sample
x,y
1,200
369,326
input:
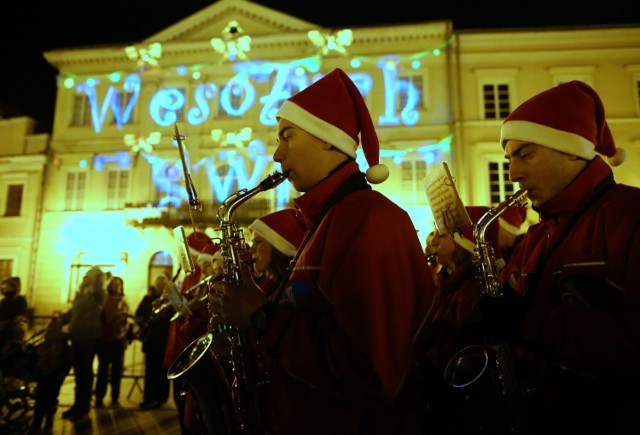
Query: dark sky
x,y
27,81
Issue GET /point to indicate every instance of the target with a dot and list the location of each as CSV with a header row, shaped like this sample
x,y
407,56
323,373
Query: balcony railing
x,y
148,213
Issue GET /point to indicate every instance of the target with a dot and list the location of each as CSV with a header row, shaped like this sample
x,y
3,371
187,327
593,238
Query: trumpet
x,y
178,303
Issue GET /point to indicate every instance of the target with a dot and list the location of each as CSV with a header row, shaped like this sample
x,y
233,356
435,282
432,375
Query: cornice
x,y
279,24
270,46
548,39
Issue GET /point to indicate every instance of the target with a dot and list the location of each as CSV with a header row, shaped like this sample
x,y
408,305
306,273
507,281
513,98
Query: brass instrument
x,y
487,374
224,375
169,304
485,257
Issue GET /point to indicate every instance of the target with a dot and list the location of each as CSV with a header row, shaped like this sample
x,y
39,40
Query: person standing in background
x,y
85,329
153,331
113,343
52,367
12,305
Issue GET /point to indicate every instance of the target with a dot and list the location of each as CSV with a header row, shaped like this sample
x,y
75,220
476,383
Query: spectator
x,y
85,328
52,367
153,331
113,343
12,305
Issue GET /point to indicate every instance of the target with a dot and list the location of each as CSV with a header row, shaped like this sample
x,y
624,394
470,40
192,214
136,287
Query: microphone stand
x,y
194,202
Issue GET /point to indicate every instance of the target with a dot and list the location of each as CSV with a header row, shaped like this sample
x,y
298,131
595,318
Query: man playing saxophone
x,y
343,335
577,298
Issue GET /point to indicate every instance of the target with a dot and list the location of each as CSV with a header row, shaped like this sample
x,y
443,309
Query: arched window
x,y
160,263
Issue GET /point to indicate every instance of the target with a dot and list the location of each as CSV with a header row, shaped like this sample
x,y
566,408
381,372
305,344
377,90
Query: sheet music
x,y
186,262
446,205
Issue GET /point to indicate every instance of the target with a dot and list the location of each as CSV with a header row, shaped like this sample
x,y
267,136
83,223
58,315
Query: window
x,y
81,111
413,174
565,74
14,200
117,187
6,268
500,185
496,100
75,190
122,100
638,94
415,80
160,263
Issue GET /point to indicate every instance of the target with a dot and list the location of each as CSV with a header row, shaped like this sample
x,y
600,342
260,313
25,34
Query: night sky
x,y
27,81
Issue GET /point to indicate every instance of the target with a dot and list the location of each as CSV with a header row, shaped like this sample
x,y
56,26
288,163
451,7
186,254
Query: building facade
x,y
113,180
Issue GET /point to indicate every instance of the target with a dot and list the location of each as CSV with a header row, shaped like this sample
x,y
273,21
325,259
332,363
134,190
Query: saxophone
x,y
485,257
220,365
487,374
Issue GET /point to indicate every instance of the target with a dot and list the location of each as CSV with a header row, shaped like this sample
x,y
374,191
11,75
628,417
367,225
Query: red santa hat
x,y
568,118
512,219
207,254
333,110
465,237
283,229
197,241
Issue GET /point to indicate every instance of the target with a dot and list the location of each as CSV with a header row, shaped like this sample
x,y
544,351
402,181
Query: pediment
x,y
210,22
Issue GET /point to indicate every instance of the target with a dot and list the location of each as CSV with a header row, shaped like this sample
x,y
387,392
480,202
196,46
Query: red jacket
x,y
586,303
185,329
345,339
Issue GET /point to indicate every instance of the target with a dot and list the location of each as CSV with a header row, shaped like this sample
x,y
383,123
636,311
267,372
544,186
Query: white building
x,y
114,186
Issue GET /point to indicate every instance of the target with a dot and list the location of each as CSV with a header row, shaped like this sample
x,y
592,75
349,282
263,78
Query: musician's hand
x,y
235,303
196,306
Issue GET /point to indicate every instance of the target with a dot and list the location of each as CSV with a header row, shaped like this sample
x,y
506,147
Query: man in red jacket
x,y
577,269
345,332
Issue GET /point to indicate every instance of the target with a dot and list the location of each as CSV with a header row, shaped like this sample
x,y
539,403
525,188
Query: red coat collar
x,y
312,203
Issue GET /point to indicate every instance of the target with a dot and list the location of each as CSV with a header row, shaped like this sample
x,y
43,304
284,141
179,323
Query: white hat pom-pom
x,y
618,158
377,174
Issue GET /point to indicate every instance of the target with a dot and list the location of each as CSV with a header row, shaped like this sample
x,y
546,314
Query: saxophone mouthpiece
x,y
273,180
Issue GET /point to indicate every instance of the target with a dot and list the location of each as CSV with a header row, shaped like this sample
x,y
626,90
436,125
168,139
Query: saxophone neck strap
x,y
352,184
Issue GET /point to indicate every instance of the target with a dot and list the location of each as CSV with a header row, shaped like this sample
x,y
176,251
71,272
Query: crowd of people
x,y
353,332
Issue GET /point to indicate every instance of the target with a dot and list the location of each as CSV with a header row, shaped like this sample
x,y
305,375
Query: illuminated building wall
x,y
22,168
497,70
114,187
117,106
